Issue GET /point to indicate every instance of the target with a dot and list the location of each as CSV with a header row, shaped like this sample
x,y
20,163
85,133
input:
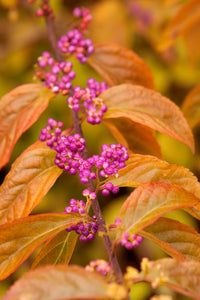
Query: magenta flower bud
x,y
126,235
115,190
128,246
118,221
109,186
42,63
105,192
93,195
86,192
83,238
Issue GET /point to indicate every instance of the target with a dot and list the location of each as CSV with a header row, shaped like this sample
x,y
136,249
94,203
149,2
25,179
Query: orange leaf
x,y
148,202
30,178
176,239
135,137
117,65
59,282
148,108
191,107
185,19
146,168
19,238
19,109
56,250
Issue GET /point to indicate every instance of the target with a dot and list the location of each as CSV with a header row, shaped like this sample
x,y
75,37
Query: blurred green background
x,y
137,25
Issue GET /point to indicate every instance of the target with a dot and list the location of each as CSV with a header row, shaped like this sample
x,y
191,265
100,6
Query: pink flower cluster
x,y
87,100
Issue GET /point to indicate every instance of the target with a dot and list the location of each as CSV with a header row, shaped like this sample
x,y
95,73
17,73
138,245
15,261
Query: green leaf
x,y
176,239
149,108
30,178
180,276
187,17
57,250
117,65
146,168
191,107
59,282
135,137
19,238
19,109
149,201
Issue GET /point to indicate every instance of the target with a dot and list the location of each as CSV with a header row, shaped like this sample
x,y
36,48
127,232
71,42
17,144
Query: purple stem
x,y
95,204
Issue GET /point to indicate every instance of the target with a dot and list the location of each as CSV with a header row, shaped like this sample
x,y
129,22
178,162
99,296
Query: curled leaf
x,y
19,238
19,109
30,178
117,65
148,108
176,239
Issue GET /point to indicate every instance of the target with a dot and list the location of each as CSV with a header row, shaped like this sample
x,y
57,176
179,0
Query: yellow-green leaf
x,y
30,178
19,238
19,109
149,108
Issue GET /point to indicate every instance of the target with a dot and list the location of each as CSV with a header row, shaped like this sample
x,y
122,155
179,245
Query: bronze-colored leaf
x,y
180,276
191,107
19,238
30,178
19,109
117,65
59,282
149,108
135,137
56,250
176,239
184,20
146,168
149,201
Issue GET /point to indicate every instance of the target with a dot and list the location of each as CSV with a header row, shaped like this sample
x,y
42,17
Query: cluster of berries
x,y
56,76
83,14
130,241
74,42
88,101
86,230
99,265
69,158
51,133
